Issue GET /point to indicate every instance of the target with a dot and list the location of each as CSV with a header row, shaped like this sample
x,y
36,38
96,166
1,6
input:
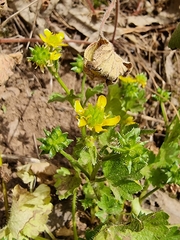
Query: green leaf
x,y
89,200
108,206
86,153
175,38
54,142
163,95
86,159
57,97
108,233
90,234
66,182
93,91
29,213
128,97
9,237
146,227
78,64
113,100
165,167
128,156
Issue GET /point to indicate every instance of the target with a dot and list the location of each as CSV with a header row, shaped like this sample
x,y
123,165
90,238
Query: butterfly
x,y
102,63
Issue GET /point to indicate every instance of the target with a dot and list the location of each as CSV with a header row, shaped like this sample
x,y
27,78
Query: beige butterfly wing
x,y
7,63
101,62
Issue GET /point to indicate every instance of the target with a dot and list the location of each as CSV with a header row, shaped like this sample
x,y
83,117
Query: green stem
x,y
83,88
60,81
95,170
164,113
74,214
83,132
100,179
4,190
74,163
148,194
144,191
49,233
109,157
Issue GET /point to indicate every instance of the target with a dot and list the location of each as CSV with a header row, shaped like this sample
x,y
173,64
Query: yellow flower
x,y
94,117
54,55
53,40
129,120
127,79
140,79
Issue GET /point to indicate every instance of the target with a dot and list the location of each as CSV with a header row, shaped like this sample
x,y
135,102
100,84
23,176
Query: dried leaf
x,y
102,63
42,170
7,63
64,232
5,172
29,213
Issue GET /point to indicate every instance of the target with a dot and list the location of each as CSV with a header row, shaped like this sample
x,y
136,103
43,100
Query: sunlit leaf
x,y
29,212
66,182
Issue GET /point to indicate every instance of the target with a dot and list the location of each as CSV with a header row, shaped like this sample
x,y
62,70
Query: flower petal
x,y
129,121
60,35
54,55
111,121
102,101
78,107
98,128
43,38
82,122
127,79
47,33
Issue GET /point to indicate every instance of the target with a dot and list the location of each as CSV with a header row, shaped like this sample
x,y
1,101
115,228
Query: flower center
x,y
94,115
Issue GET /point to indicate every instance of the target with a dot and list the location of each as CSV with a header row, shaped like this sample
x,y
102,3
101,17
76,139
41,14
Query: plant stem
x,y
148,194
60,81
109,157
90,5
106,15
74,163
100,179
4,190
164,113
49,233
83,88
116,20
74,214
95,170
144,191
83,132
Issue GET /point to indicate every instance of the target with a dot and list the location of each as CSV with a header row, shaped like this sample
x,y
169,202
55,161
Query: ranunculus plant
x,y
111,167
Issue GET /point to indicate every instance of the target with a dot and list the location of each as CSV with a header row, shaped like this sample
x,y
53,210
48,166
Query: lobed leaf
x,y
146,227
66,182
29,213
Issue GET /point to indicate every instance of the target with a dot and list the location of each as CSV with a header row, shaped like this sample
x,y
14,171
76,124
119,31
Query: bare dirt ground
x,y
144,29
